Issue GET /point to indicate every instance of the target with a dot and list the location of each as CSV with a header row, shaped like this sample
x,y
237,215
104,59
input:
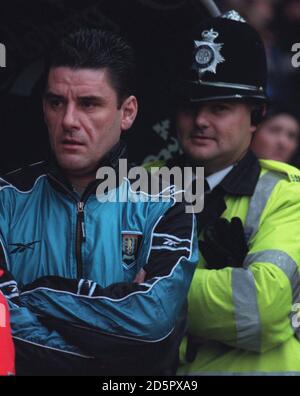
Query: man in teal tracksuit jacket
x,y
94,287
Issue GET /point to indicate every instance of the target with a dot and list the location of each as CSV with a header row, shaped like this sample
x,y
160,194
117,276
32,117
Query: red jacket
x,y
7,352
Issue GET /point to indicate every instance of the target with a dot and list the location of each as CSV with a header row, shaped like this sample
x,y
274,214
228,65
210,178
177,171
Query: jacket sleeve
x,y
252,307
144,312
38,347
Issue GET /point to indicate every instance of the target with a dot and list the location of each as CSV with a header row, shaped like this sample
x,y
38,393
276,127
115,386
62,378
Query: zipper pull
x,y
83,230
80,207
80,211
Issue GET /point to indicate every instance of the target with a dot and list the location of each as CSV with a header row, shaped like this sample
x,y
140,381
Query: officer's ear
x,y
129,109
258,113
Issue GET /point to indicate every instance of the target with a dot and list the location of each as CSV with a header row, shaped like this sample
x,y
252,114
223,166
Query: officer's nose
x,y
70,120
201,118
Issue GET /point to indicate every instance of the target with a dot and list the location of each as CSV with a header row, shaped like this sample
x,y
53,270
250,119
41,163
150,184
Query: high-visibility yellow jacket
x,y
244,320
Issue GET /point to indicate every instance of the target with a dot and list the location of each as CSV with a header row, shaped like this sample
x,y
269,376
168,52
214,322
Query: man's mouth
x,y
72,142
200,138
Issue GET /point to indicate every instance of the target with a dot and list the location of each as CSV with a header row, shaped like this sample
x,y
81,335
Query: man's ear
x,y
129,110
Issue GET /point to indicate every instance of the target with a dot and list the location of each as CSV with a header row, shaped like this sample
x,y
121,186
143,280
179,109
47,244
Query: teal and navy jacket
x,y
75,260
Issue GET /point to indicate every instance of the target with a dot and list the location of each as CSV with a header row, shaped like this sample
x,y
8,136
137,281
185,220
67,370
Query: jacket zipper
x,y
80,227
80,237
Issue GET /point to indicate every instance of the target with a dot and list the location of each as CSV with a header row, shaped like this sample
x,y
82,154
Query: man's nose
x,y
283,140
201,118
70,120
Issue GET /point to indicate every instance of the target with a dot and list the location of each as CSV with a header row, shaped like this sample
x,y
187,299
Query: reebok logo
x,y
170,242
21,247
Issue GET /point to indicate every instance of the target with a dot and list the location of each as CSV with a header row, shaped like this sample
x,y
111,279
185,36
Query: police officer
x,y
242,312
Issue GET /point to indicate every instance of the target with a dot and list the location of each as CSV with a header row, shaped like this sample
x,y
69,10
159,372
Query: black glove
x,y
224,244
9,286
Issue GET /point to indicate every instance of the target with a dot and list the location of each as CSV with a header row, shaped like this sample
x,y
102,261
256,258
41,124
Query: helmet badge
x,y
208,52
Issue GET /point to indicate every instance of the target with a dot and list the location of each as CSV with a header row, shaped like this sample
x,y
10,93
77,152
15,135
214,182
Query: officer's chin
x,y
198,155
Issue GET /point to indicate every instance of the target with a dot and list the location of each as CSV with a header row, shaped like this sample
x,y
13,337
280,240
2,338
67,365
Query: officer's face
x,y
83,118
277,138
215,134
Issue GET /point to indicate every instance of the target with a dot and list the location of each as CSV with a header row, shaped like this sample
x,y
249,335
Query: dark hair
x,y
279,109
98,49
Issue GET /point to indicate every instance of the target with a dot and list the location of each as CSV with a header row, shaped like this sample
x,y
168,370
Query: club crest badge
x,y
207,53
130,246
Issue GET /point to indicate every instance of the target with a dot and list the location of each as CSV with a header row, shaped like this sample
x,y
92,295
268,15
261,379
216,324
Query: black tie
x,y
206,186
214,206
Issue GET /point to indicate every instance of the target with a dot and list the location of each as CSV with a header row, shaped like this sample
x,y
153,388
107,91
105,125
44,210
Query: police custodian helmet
x,y
228,62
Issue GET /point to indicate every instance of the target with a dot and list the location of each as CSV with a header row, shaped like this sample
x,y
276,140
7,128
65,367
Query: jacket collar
x,y
242,178
59,181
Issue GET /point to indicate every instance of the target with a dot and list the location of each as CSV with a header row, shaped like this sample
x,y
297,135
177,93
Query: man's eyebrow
x,y
92,98
51,95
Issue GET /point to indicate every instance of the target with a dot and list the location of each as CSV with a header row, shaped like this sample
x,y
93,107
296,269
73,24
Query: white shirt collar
x,y
216,178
